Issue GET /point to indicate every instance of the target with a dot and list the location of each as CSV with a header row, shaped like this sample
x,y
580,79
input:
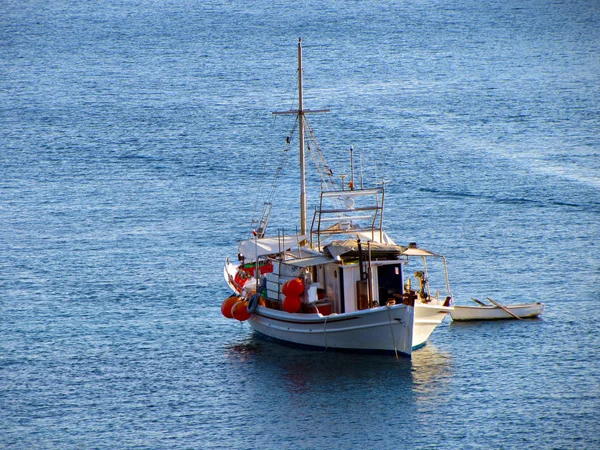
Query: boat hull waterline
x,y
384,329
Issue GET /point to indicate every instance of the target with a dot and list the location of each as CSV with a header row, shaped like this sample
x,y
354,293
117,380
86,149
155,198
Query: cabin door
x,y
389,280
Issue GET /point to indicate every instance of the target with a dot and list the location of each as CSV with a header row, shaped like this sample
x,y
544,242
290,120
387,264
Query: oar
x,y
479,302
504,308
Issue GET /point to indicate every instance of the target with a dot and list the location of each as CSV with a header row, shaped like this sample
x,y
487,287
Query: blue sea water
x,y
135,139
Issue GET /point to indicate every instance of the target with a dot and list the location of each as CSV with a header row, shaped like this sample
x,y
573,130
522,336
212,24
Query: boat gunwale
x,y
317,318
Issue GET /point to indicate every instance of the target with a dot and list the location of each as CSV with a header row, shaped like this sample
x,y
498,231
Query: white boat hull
x,y
528,310
427,317
229,272
386,329
398,328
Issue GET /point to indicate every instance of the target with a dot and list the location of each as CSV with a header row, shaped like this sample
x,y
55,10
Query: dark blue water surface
x,y
135,139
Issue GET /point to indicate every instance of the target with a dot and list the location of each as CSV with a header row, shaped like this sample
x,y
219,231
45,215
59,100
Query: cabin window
x,y
390,283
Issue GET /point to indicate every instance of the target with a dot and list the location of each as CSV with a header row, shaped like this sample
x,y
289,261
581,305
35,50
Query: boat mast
x,y
301,113
301,143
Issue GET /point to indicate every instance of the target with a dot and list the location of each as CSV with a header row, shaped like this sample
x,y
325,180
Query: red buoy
x,y
285,289
228,304
295,287
292,303
240,311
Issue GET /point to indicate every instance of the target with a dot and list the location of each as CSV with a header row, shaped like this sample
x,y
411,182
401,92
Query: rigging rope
x,y
268,203
324,170
328,182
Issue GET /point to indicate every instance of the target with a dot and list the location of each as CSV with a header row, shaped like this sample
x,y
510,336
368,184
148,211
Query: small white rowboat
x,y
489,312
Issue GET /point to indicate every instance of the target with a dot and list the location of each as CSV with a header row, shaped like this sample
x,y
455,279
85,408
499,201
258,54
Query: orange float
x,y
292,303
240,311
285,289
295,287
228,304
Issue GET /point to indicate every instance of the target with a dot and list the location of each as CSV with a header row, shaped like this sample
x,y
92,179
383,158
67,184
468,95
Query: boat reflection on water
x,y
431,372
299,369
301,372
244,351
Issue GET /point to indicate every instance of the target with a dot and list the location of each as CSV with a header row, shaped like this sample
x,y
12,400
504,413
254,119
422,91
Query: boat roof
x,y
252,248
349,247
309,262
414,251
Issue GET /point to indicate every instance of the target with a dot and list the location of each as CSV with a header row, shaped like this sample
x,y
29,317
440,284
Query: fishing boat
x,y
340,282
496,311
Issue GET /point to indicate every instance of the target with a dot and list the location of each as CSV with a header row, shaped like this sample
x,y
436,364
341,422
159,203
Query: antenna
x,y
351,169
361,172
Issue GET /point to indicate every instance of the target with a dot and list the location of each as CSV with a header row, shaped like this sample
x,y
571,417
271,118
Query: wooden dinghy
x,y
496,311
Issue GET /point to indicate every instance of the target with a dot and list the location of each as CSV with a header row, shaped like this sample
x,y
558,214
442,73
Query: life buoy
x,y
253,303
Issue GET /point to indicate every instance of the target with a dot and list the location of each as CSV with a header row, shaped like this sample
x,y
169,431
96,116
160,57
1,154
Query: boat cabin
x,y
347,277
361,269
